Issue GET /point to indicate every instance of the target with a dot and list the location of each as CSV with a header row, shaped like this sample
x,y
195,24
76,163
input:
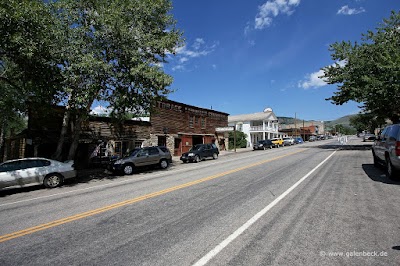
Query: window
x,y
143,152
393,133
39,163
203,122
138,143
153,151
191,120
383,134
12,166
164,150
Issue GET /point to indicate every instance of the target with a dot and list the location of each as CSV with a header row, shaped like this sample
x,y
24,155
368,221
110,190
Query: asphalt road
x,y
312,204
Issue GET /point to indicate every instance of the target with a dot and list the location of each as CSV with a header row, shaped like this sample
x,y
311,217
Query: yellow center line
x,y
82,215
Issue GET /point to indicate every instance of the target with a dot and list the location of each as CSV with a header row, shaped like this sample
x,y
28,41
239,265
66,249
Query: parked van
x,y
386,150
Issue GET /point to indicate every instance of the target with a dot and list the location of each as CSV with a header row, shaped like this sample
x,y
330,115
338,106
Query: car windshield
x,y
196,148
132,153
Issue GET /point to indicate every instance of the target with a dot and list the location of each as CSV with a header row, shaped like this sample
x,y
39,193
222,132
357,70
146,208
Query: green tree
x,y
241,141
28,69
344,130
75,52
367,121
114,53
369,72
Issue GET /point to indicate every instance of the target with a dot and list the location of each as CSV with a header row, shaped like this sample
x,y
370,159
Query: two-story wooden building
x,y
180,126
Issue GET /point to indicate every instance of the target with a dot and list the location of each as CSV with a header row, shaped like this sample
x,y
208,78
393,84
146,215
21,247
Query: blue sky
x,y
241,56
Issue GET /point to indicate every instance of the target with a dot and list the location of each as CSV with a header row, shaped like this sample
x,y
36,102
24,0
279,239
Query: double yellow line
x,y
79,216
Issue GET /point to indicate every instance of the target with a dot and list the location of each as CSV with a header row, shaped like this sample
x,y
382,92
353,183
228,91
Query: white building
x,y
257,126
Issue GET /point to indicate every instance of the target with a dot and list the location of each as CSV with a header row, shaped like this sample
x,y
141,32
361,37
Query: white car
x,y
35,171
288,141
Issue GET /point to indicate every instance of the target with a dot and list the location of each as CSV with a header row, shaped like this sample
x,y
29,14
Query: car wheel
x,y
128,169
196,159
184,161
215,155
53,180
163,164
390,170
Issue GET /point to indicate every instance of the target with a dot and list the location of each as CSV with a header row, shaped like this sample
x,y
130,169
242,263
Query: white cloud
x,y
185,53
346,10
100,110
271,9
198,43
178,67
313,80
183,59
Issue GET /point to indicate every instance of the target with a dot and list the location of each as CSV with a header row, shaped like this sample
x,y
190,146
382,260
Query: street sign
x,y
224,129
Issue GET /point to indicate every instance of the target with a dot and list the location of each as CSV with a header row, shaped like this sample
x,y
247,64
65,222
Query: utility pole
x,y
234,137
295,124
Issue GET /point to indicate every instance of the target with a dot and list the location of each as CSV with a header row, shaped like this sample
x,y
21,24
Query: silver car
x,y
288,141
386,150
35,171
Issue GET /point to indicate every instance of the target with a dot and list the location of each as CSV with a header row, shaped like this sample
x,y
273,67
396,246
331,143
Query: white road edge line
x,y
204,260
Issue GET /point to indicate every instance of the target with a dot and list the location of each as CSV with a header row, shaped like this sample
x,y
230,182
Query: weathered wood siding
x,y
177,118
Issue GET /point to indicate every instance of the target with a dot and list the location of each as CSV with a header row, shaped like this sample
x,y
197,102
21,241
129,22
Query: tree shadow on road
x,y
344,147
378,174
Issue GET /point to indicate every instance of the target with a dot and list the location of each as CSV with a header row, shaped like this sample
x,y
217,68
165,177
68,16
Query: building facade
x,y
179,126
257,126
172,124
304,129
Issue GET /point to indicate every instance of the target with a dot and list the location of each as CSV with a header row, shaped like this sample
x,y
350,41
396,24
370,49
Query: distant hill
x,y
345,121
288,120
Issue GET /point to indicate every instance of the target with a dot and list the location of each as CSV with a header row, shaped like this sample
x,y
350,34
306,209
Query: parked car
x,y
263,145
147,156
386,150
369,137
277,142
35,171
288,141
298,140
199,152
312,138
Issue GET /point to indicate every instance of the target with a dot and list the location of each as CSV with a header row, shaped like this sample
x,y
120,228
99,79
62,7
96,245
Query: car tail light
x,y
397,148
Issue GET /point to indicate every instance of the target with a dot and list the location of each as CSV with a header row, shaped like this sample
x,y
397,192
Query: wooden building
x,y
180,126
100,138
175,125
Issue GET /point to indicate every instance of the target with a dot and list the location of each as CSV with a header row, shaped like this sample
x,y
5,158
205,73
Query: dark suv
x,y
157,155
386,150
200,152
263,145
